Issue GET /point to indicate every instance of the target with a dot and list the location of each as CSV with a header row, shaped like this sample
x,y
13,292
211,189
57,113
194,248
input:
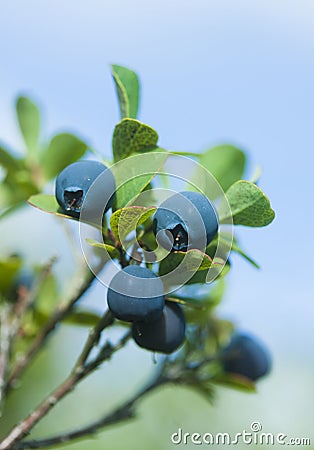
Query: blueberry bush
x,y
164,223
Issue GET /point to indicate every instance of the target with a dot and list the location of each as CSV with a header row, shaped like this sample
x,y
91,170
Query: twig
x,y
123,412
42,336
93,338
122,259
11,316
5,345
80,371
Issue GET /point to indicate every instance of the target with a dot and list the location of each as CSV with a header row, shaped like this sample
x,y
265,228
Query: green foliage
x,y
132,136
234,381
8,162
249,205
83,318
9,267
63,149
28,174
47,203
225,162
138,167
29,121
125,220
193,260
128,90
133,178
113,252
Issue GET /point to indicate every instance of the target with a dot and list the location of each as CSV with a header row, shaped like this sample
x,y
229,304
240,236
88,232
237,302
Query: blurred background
x,y
212,72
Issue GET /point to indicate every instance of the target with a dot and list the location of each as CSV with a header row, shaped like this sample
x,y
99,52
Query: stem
x,y
11,317
123,412
93,338
42,336
5,346
80,371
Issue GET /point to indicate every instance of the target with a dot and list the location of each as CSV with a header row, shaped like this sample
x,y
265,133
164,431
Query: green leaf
x,y
216,293
15,190
63,149
113,252
132,136
249,205
8,270
204,388
256,175
48,295
128,90
195,303
8,161
134,174
191,261
225,162
82,318
235,381
29,121
200,277
47,203
125,220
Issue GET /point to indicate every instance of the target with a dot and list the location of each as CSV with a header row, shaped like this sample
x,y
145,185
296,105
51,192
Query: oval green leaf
x,y
113,252
128,90
125,220
225,162
29,121
134,174
8,162
249,205
63,149
191,261
132,136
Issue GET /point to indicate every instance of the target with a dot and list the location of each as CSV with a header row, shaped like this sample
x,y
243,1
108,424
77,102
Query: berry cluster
x,y
185,220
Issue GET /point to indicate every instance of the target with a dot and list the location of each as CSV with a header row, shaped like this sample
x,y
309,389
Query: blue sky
x,y
228,71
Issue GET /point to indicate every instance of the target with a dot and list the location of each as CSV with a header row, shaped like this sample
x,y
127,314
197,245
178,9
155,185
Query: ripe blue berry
x,y
136,293
163,335
246,356
184,221
75,180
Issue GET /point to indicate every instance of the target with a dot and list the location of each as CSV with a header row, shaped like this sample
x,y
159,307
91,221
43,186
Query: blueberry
x,y
246,356
185,220
136,293
73,183
163,335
